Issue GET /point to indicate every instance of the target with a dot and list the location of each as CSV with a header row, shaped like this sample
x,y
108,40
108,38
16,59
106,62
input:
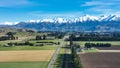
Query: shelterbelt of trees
x,y
89,45
96,37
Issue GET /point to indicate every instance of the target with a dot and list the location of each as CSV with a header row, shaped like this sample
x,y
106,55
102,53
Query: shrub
x,y
31,44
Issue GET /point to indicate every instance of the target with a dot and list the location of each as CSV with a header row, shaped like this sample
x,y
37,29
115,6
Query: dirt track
x,y
29,55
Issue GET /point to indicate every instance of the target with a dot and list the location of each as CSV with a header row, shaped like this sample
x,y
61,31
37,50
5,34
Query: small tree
x,y
27,43
11,35
44,37
31,44
38,37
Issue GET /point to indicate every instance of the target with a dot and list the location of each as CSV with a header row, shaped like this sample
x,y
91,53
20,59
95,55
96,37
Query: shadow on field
x,y
59,61
66,47
64,62
67,61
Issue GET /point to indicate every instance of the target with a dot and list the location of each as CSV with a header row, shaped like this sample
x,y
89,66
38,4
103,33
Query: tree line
x,y
89,45
9,36
75,56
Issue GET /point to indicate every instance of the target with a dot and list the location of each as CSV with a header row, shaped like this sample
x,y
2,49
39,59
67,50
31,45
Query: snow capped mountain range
x,y
79,19
110,23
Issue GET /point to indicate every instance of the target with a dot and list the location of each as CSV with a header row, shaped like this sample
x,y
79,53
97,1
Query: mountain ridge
x,y
88,23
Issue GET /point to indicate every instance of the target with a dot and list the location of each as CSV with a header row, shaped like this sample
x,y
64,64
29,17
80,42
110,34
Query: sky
x,y
14,11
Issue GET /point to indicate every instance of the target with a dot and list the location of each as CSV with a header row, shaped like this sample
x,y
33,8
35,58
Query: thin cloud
x,y
100,7
9,3
96,3
51,15
103,10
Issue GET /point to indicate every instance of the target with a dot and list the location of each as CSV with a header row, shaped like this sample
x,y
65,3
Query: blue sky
x,y
24,10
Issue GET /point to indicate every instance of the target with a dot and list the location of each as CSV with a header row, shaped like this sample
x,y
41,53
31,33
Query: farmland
x,y
38,49
97,53
100,60
21,55
25,56
47,47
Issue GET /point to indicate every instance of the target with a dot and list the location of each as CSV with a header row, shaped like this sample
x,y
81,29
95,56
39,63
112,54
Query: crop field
x,y
113,47
25,56
100,60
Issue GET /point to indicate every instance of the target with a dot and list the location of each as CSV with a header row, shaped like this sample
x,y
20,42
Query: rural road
x,y
56,54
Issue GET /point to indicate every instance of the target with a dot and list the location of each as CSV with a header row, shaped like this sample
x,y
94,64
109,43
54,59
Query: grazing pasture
x,y
100,60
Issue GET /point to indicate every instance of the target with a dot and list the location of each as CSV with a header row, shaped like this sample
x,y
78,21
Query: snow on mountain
x,y
80,19
88,18
85,18
9,23
115,18
85,23
109,18
60,20
47,20
31,21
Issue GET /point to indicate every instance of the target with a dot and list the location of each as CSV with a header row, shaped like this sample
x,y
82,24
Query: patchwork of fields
x,y
25,56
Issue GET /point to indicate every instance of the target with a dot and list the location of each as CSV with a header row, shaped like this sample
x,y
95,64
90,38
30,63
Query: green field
x,y
111,42
23,65
91,50
46,47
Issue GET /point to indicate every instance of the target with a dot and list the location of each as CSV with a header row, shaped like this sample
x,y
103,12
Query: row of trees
x,y
10,36
97,38
89,45
38,37
19,44
75,56
57,43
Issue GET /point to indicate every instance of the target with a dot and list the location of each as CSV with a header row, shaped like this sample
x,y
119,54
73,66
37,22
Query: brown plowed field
x,y
24,56
100,60
113,47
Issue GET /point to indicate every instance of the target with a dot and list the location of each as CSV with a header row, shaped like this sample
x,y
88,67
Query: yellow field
x,y
25,56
